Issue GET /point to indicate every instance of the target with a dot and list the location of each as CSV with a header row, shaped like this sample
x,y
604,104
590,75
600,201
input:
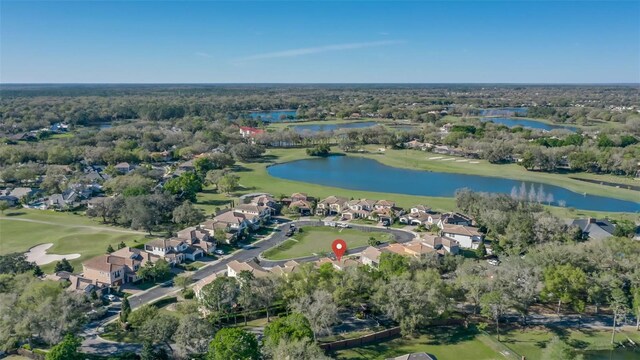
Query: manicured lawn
x,y
443,344
254,178
531,343
317,240
68,232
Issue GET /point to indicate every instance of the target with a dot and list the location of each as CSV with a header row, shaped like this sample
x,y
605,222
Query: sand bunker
x,y
38,254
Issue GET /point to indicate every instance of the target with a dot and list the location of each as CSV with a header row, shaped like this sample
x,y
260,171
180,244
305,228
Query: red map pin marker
x,y
339,247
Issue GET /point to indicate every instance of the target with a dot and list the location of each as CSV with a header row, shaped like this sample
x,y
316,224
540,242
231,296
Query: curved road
x,y
96,345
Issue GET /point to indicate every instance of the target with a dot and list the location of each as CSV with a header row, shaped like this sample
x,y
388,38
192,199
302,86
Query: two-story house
x,y
358,209
198,237
333,205
467,236
253,213
174,250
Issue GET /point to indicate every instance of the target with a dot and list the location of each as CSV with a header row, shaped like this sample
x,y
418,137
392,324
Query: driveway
x,y
93,344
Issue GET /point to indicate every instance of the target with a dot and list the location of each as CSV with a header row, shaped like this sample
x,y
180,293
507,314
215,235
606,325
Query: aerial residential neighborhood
x,y
314,180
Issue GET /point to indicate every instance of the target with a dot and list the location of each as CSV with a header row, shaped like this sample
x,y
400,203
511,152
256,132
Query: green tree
x,y
619,304
125,310
494,305
565,284
110,249
66,350
481,251
227,183
15,263
122,245
319,150
373,241
246,298
4,205
304,349
186,214
233,344
636,305
138,317
392,264
159,329
193,335
220,296
292,327
319,308
63,265
186,186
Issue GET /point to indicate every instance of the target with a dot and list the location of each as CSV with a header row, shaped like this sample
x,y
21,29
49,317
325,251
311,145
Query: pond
x,y
527,123
331,127
273,115
369,175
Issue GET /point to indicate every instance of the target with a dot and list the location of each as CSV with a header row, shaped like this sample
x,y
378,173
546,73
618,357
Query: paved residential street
x,y
95,345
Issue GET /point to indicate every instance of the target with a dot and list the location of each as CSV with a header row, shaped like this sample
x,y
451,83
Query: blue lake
x,y
331,127
369,175
274,115
532,124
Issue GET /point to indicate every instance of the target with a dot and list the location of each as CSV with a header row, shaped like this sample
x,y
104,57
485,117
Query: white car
x,y
343,225
494,262
111,298
218,252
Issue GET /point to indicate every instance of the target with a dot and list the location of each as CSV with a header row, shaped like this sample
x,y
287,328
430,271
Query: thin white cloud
x,y
202,54
319,49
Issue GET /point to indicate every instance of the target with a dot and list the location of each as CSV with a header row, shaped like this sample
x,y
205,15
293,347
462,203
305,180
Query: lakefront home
x,y
333,205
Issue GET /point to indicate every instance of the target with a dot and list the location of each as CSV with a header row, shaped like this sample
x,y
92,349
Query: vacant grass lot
x,y
317,240
22,229
442,344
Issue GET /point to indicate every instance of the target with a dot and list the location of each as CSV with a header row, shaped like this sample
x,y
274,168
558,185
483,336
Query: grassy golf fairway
x,y
22,229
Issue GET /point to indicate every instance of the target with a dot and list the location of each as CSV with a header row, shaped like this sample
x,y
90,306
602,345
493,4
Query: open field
x,y
317,240
254,178
22,229
442,343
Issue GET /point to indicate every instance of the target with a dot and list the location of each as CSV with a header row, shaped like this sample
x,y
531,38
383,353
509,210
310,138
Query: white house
x,y
467,236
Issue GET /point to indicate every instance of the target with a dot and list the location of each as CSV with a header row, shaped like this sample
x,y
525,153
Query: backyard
x,y
317,240
22,229
443,343
531,343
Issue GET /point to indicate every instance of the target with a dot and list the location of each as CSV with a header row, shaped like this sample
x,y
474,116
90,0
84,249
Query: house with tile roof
x,y
468,237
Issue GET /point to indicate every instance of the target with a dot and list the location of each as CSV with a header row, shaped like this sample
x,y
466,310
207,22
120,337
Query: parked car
x,y
494,262
289,232
110,297
344,225
218,252
330,223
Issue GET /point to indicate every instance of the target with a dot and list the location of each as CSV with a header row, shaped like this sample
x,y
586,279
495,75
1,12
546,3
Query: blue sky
x,y
327,41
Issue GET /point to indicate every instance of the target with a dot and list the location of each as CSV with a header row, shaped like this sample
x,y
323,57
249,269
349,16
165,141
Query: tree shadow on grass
x,y
15,213
450,335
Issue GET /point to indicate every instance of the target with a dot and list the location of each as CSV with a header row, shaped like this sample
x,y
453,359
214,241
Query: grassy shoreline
x,y
255,178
